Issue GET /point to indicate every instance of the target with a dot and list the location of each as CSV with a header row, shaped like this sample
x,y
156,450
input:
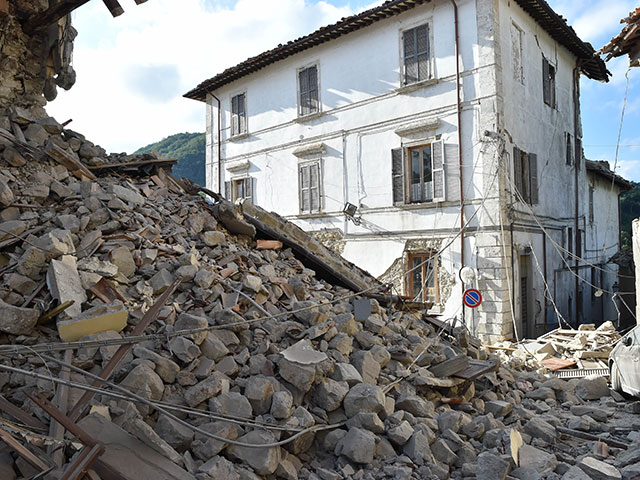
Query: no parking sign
x,y
472,298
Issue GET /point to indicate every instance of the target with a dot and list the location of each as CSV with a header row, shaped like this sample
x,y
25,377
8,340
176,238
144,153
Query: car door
x,y
624,358
633,380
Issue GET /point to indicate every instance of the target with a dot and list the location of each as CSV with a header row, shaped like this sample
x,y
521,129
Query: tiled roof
x,y
628,39
554,24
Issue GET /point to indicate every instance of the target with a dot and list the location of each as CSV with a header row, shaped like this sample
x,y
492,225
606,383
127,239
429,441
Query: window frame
x,y
549,73
405,174
317,163
425,296
429,52
318,107
525,175
231,188
518,75
237,130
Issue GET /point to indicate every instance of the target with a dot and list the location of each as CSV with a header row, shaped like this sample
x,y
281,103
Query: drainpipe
x,y
459,112
578,155
220,183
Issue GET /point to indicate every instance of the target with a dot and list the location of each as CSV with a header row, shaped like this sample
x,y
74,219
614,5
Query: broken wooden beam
x,y
589,436
117,357
56,429
20,415
23,451
450,367
51,15
68,161
83,463
114,7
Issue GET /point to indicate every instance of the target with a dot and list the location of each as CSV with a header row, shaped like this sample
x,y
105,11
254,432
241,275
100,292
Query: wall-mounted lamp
x,y
350,211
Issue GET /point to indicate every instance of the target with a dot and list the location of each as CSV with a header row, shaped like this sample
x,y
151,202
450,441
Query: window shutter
x,y
578,152
533,178
242,113
526,178
422,44
397,175
227,191
410,63
313,89
304,189
545,82
248,189
314,187
437,167
569,141
517,169
591,189
303,80
234,115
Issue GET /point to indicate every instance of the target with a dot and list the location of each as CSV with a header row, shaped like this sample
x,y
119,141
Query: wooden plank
x,y
22,450
83,463
450,367
114,7
68,161
164,162
56,429
20,415
52,15
588,436
117,357
477,368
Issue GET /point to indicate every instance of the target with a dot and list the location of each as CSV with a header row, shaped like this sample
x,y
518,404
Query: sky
x,y
133,70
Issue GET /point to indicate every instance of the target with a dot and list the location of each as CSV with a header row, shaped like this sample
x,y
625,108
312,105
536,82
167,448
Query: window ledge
x,y
304,216
416,206
239,136
412,87
309,117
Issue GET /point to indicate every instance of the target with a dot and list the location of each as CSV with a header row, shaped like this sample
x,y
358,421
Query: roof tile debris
x,y
627,41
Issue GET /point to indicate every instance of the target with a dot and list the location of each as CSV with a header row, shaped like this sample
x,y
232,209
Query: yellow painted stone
x,y
95,320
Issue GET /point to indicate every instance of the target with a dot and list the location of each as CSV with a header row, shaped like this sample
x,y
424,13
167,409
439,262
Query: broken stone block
x,y
330,393
281,405
206,389
174,433
598,470
345,372
144,381
538,428
65,285
491,467
205,278
539,460
165,367
11,229
126,194
121,257
6,195
264,461
592,388
367,365
443,453
21,284
212,347
184,349
219,467
231,403
213,238
357,445
205,447
363,397
418,449
367,421
35,133
186,321
259,392
575,473
252,282
146,435
68,222
13,157
400,434
16,320
55,243
415,405
299,375
161,281
498,408
95,320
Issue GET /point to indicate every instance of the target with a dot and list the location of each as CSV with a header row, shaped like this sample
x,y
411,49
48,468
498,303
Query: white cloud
x,y
133,70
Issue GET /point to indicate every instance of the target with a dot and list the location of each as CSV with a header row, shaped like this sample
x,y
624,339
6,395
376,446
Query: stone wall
x,y
636,258
33,65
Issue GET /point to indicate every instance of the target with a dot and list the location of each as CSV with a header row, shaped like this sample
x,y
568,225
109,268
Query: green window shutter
x,y
533,178
517,169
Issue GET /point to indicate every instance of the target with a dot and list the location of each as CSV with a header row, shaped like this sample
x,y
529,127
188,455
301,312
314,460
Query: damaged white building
x,y
449,131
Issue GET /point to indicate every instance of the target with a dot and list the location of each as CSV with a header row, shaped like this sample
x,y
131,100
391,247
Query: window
x,y
591,190
569,148
309,187
570,239
525,171
548,83
423,277
415,43
418,173
239,114
308,102
516,52
239,188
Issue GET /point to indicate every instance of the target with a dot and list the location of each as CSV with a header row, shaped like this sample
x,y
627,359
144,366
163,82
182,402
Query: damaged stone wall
x,y
395,273
331,238
33,65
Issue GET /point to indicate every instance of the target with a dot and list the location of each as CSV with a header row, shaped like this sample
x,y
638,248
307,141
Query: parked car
x,y
624,364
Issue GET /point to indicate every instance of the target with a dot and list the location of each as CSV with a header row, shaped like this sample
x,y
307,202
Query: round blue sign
x,y
472,298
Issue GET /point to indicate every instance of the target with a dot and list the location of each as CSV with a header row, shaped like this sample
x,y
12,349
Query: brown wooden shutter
x,y
313,89
533,178
397,175
517,169
526,178
437,171
227,191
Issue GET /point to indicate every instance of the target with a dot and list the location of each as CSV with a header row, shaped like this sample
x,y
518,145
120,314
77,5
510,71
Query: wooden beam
x,y
22,450
52,14
138,2
114,7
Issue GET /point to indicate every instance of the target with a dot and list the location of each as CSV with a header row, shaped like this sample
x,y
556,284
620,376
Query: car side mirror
x,y
628,341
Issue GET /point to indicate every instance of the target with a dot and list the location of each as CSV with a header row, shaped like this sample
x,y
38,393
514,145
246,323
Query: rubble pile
x,y
562,350
267,370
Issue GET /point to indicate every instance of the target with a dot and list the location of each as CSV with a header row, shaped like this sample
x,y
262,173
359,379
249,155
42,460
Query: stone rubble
x,y
284,355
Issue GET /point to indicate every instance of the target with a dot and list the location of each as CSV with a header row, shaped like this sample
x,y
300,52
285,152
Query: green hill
x,y
629,209
188,148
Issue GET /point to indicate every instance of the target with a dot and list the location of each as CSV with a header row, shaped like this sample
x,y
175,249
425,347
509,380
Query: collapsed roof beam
x,y
114,7
52,14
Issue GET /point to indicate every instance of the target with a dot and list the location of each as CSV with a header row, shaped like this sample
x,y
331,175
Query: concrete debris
x,y
291,375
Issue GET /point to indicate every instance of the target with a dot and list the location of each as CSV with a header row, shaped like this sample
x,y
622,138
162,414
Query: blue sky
x,y
133,70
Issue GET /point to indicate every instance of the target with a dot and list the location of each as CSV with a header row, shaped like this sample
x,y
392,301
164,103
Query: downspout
x,y
544,267
220,183
577,164
459,113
